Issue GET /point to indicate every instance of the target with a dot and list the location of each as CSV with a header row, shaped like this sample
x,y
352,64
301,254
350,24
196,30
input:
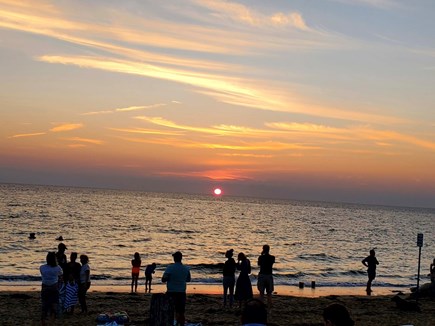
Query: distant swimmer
x,y
32,236
59,238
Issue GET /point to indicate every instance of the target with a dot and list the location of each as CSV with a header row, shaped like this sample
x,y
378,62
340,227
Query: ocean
x,y
312,241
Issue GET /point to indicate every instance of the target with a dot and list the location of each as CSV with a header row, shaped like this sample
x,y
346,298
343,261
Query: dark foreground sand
x,y
23,308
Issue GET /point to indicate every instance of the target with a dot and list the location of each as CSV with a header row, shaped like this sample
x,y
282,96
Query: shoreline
x,y
215,289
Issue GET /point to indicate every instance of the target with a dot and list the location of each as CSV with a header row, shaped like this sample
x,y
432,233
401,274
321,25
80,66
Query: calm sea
x,y
319,241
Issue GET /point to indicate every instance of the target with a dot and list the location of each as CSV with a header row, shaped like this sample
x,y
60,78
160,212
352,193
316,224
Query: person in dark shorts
x,y
265,277
149,271
370,262
175,276
229,278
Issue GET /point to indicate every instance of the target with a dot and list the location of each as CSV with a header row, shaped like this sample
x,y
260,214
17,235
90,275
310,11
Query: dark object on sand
x,y
406,305
59,238
32,235
425,290
161,310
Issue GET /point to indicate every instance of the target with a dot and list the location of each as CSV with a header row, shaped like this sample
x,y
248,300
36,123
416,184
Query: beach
x,y
22,307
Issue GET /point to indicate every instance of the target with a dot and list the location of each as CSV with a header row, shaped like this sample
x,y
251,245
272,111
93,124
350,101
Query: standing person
x,y
74,267
61,260
136,262
51,274
85,282
175,276
243,284
432,273
149,271
370,262
229,278
265,277
432,277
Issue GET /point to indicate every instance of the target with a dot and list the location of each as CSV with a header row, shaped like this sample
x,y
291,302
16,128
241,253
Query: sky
x,y
326,100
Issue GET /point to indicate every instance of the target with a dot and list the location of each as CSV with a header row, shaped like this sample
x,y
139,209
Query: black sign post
x,y
419,244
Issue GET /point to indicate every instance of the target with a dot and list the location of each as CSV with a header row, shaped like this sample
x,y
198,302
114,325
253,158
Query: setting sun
x,y
217,191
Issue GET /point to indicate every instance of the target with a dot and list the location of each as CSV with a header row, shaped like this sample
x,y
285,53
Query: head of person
x,y
84,259
241,256
178,256
266,249
136,256
254,312
61,247
51,259
229,253
73,256
372,252
337,315
153,265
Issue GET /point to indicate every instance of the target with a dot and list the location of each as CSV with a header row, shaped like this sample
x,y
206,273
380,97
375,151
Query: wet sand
x,y
22,307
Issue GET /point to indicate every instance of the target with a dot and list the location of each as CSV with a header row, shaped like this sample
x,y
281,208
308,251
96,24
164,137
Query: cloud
x,y
126,109
244,14
356,133
67,127
147,131
28,135
230,90
85,140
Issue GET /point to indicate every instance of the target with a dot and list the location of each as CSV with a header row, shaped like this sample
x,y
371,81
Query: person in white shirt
x,y
51,274
85,282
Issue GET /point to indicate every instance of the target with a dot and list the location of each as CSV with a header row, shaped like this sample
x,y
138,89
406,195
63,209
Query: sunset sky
x,y
320,100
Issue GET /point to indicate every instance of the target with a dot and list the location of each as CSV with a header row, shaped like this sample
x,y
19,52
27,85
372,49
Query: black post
x,y
418,274
419,244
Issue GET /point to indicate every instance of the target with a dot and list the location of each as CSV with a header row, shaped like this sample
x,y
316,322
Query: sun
x,y
217,191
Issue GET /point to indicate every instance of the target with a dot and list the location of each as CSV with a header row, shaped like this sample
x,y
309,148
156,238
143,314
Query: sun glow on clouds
x,y
67,127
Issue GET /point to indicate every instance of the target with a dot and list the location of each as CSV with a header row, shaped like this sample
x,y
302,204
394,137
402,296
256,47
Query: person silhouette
x,y
265,277
136,262
175,276
370,262
149,271
243,284
229,278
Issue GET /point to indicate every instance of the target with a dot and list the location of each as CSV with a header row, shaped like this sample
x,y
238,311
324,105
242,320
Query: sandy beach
x,y
22,307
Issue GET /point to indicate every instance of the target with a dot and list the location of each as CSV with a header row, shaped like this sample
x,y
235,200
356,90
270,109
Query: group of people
x,y
64,283
243,287
254,312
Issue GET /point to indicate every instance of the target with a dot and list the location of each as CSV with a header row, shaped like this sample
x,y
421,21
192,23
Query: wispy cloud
x,y
66,127
28,135
244,14
147,131
126,109
226,89
85,140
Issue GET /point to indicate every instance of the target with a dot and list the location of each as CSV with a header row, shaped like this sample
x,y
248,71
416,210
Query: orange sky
x,y
263,99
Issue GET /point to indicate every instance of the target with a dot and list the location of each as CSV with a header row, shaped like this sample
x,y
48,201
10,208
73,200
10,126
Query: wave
x,y
317,257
